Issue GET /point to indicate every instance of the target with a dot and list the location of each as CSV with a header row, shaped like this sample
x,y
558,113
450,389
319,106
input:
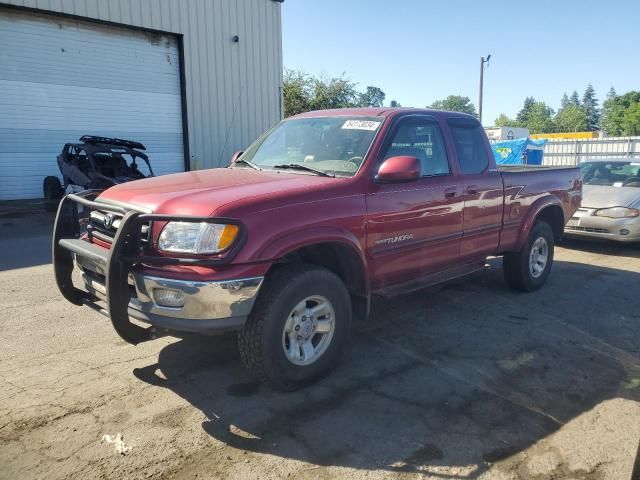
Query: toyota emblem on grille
x,y
108,220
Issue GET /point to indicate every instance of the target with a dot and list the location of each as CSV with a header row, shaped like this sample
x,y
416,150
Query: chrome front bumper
x,y
585,224
209,307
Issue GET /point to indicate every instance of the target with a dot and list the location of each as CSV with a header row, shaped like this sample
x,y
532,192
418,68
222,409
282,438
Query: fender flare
x,y
532,214
277,248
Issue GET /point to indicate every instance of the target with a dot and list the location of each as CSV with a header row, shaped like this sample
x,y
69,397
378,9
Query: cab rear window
x,y
469,143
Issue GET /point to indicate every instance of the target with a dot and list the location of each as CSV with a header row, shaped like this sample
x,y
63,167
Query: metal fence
x,y
572,152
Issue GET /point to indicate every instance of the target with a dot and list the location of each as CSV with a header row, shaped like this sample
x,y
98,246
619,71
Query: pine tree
x,y
590,105
564,101
574,100
523,115
607,115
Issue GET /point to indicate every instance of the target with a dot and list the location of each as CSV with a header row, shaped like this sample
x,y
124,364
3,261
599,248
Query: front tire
x,y
528,269
298,328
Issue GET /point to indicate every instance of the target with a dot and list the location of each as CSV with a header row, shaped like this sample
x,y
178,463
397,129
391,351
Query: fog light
x,y
168,298
624,231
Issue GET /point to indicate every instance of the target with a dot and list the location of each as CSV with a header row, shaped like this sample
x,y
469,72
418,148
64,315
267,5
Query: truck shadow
x,y
450,379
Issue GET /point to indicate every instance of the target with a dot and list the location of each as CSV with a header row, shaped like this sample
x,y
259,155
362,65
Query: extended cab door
x,y
482,189
414,228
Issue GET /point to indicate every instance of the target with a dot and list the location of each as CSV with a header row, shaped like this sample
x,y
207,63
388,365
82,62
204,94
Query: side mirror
x,y
235,156
398,169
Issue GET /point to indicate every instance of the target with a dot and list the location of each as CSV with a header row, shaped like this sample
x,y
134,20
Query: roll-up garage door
x,y
61,78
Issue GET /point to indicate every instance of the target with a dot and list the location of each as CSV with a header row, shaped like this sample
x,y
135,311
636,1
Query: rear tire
x,y
285,302
528,269
52,191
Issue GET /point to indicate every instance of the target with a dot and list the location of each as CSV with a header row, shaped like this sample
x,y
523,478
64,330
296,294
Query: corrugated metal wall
x,y
232,89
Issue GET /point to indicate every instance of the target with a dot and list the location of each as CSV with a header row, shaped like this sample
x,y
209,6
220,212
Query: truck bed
x,y
524,185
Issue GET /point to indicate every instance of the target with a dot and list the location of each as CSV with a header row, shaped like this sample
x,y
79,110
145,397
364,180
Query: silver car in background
x,y
610,201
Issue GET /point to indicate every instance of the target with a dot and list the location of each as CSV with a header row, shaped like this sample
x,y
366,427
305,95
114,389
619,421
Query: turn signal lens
x,y
229,234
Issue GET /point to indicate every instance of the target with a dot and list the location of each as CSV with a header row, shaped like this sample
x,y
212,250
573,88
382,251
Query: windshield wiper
x,y
297,166
247,162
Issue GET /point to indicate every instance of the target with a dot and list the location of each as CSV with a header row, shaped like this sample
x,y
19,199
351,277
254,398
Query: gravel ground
x,y
464,380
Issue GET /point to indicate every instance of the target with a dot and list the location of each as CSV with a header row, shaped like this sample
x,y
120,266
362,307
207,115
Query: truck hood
x,y
602,196
203,192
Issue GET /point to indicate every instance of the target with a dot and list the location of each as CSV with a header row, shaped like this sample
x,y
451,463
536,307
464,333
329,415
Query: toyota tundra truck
x,y
291,241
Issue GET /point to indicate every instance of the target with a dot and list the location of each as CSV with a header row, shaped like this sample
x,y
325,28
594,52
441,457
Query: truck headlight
x,y
617,212
191,237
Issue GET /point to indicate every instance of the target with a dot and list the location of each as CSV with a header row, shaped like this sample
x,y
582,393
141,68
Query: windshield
x,y
333,145
617,174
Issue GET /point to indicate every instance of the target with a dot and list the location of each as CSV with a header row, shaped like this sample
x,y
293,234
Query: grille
x,y
104,225
588,229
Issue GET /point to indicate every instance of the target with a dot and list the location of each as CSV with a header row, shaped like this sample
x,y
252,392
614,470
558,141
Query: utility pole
x,y
482,62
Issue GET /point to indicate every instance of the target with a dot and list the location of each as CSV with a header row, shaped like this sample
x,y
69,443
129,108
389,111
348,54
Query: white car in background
x,y
610,201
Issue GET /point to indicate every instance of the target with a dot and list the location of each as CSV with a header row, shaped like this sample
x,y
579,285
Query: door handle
x,y
472,189
450,192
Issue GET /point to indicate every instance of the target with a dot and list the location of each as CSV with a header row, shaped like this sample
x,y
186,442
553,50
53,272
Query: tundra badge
x,y
392,240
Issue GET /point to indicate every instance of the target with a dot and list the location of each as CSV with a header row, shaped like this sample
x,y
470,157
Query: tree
x,y
455,103
631,120
336,92
394,104
611,118
536,116
574,100
610,110
525,111
571,118
373,97
619,114
540,118
303,92
504,121
590,105
295,92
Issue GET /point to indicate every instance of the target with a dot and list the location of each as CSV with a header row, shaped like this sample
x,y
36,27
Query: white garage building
x,y
193,80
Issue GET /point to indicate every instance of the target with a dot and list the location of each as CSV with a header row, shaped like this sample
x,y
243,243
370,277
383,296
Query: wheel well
x,y
344,261
338,257
554,216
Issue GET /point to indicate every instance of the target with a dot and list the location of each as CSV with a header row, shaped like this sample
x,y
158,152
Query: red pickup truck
x,y
290,241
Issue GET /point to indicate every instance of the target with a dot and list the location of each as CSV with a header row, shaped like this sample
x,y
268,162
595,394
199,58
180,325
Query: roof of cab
x,y
376,112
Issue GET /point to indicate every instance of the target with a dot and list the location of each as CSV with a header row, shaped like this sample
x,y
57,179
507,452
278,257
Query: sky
x,y
418,51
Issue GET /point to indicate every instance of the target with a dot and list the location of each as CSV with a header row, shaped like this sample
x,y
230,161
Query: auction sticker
x,y
361,125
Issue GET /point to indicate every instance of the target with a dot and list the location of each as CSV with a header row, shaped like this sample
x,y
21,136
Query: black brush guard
x,y
126,251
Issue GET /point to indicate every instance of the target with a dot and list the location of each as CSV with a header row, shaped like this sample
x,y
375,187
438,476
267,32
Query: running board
x,y
430,280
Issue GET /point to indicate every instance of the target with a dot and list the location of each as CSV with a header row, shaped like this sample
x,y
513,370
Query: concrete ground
x,y
464,380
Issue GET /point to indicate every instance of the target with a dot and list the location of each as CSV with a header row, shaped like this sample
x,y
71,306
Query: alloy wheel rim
x,y
308,330
538,257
